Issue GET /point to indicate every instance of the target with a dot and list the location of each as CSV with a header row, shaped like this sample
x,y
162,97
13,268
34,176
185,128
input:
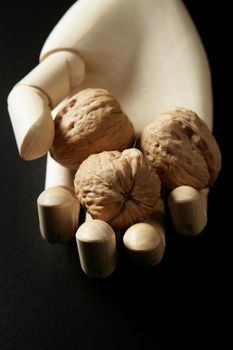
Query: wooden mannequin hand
x,y
97,242
149,58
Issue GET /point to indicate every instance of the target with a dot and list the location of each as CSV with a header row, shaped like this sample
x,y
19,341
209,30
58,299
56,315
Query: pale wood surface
x,y
58,211
31,100
147,53
96,244
145,241
188,209
57,175
56,75
58,207
31,120
149,58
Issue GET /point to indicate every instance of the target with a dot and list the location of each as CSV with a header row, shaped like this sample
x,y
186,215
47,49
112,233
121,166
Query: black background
x,y
46,301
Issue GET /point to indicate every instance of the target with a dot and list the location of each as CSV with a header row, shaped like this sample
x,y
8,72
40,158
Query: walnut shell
x,y
180,146
119,188
91,121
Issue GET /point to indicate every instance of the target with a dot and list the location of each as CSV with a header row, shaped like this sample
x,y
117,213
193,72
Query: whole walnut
x,y
182,149
119,188
91,121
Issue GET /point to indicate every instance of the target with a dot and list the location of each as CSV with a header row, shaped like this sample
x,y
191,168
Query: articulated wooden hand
x,y
147,53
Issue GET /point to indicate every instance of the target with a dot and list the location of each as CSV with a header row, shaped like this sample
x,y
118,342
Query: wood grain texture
x,y
188,209
96,244
58,211
145,241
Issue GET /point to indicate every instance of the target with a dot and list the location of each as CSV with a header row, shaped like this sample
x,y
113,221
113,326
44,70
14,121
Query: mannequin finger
x,y
31,100
188,208
96,243
58,207
145,241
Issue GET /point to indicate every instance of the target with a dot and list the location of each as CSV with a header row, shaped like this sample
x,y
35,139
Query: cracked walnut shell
x,y
119,188
91,121
182,149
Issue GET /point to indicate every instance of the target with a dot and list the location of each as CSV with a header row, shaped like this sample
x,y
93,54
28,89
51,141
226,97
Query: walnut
x,y
119,188
91,121
181,148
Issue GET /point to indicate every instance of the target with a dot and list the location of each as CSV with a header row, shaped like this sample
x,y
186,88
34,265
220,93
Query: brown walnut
x,y
182,149
119,188
90,122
